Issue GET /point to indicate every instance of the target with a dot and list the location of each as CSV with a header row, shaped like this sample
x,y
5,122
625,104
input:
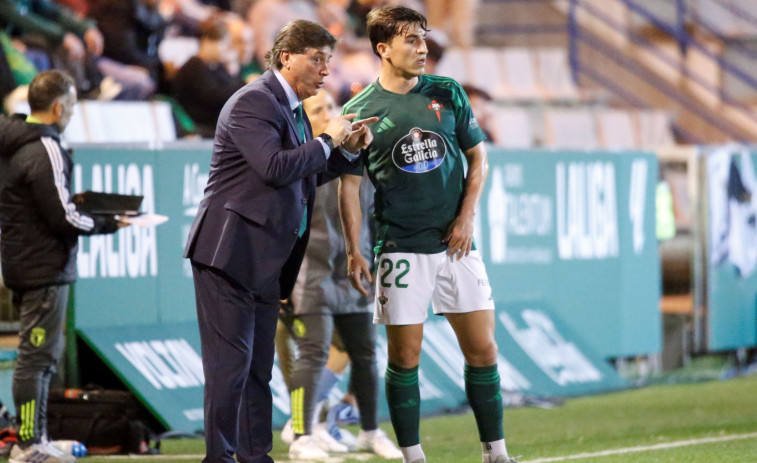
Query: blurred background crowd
x,y
191,53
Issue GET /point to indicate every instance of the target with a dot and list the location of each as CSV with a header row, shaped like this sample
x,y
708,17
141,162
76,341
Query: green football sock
x,y
404,398
484,396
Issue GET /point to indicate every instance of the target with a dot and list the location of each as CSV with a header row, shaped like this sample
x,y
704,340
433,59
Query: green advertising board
x,y
568,239
732,245
539,356
575,232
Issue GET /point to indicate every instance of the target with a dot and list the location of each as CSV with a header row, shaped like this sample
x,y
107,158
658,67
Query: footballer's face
x,y
406,52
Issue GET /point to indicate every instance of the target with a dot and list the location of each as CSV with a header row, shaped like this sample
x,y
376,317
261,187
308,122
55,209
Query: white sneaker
x,y
346,438
287,433
303,448
377,442
326,441
39,453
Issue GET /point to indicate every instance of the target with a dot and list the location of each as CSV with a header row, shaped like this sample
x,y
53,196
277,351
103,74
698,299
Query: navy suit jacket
x,y
261,178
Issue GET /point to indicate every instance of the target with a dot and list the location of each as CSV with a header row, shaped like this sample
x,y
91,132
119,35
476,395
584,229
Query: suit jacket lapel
x,y
281,97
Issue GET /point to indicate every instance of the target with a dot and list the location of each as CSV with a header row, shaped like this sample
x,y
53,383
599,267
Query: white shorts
x,y
406,283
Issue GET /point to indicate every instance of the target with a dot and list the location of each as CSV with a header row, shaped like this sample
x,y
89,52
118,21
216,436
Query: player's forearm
x,y
478,169
350,213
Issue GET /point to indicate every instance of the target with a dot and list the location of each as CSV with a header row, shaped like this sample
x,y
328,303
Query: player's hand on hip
x,y
357,269
459,237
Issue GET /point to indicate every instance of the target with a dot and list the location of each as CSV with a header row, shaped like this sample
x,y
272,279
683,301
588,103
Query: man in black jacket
x,y
40,227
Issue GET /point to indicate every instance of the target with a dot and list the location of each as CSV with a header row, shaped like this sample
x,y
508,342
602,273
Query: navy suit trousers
x,y
236,334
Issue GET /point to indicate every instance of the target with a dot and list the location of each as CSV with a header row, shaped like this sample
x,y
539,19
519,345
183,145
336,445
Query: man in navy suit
x,y
249,237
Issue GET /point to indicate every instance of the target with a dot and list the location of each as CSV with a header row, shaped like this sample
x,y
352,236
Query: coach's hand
x,y
357,269
459,237
339,128
360,137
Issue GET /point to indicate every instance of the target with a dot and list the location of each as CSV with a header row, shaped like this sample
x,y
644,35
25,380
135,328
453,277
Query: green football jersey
x,y
416,160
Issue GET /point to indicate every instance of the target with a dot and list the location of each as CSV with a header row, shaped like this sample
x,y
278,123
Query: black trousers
x,y
42,312
236,335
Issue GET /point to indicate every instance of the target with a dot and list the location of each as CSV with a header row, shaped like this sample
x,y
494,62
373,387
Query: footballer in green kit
x,y
425,204
416,160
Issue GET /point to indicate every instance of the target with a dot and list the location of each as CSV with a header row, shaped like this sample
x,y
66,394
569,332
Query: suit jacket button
x,y
304,200
296,231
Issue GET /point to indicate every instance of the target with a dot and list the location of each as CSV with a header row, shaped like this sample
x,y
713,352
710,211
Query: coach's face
x,y
406,52
306,71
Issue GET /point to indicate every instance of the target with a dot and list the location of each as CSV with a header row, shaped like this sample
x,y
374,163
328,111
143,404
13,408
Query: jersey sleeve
x,y
467,130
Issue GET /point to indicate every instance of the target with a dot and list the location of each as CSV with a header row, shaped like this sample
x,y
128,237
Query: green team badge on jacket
x,y
37,337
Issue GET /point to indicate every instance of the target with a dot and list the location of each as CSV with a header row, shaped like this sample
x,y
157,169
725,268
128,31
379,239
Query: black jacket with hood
x,y
39,223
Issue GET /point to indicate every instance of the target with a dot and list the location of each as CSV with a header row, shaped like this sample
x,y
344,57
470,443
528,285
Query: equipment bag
x,y
106,421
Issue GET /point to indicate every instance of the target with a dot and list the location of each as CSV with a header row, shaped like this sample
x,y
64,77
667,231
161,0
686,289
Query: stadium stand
x,y
118,122
514,127
520,77
572,128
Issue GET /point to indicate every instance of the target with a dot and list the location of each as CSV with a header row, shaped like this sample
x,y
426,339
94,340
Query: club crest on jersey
x,y
436,106
419,151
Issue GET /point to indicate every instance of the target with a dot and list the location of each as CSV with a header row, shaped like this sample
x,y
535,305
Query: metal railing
x,y
578,35
676,28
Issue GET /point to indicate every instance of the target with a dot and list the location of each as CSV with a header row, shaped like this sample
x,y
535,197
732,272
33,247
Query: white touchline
x,y
579,456
646,448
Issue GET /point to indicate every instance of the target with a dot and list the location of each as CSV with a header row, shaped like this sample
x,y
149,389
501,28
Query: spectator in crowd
x,y
268,16
40,225
425,205
480,103
203,84
16,73
324,301
436,44
192,12
7,80
132,30
457,18
243,41
68,41
249,237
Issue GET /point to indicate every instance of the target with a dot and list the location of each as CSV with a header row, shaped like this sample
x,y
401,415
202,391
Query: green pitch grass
x,y
694,423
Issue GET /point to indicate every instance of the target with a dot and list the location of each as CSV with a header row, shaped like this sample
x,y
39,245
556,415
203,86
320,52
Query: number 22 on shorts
x,y
386,269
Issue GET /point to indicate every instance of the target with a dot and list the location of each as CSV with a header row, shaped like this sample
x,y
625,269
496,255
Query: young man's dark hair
x,y
46,87
387,23
296,37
